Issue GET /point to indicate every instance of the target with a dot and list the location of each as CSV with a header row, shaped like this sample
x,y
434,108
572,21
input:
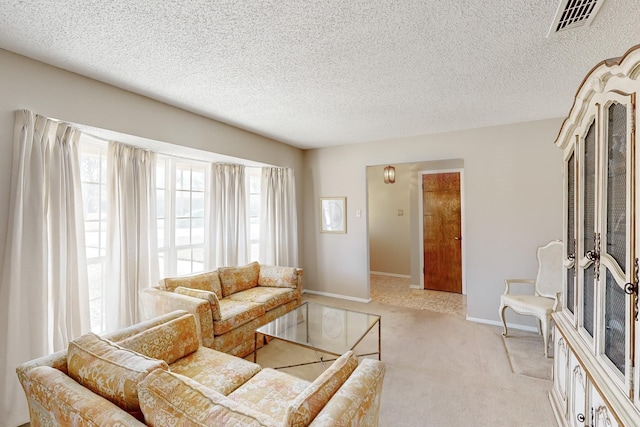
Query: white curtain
x,y
132,248
43,295
228,244
278,218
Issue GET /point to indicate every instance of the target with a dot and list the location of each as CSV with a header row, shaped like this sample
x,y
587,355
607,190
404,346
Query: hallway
x,y
396,291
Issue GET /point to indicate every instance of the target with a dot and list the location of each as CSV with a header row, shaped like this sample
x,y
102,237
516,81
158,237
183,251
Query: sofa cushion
x,y
168,399
304,408
206,295
236,313
236,279
214,369
269,297
209,281
278,277
270,392
109,370
170,341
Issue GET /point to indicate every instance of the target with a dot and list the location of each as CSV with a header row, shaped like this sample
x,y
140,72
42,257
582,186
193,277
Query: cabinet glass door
x,y
589,253
615,248
570,255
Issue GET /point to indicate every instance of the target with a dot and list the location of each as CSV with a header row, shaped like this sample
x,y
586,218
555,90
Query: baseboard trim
x,y
498,323
415,287
328,294
381,273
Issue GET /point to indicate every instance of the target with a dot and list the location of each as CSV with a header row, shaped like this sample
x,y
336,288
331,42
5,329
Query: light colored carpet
x,y
526,354
441,370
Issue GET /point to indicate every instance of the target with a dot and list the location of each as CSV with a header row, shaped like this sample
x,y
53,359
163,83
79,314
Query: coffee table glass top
x,y
328,329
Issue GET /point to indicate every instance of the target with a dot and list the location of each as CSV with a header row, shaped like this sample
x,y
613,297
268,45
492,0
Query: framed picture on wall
x,y
333,214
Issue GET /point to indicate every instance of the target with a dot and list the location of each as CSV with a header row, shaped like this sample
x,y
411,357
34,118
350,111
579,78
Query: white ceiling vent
x,y
574,13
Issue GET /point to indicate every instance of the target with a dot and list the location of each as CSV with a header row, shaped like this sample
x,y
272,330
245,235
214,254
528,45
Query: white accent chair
x,y
547,289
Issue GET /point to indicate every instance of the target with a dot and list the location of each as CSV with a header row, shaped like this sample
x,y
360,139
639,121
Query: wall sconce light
x,y
389,174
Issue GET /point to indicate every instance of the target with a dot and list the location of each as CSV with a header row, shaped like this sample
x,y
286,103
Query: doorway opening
x,y
395,234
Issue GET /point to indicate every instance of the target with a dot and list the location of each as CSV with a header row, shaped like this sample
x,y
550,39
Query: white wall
x,y
513,203
389,233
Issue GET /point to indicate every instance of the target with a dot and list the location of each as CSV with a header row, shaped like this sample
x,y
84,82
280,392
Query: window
x,y
253,182
181,215
181,211
93,175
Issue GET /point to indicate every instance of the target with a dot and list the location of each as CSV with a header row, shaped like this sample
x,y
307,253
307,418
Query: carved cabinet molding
x,y
596,339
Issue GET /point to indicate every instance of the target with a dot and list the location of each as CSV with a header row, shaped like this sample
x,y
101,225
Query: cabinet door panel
x,y
601,413
561,371
616,252
578,413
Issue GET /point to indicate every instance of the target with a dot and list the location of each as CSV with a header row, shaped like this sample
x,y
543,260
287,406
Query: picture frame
x,y
333,215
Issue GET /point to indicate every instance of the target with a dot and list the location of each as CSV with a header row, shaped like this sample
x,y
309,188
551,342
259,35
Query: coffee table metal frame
x,y
264,330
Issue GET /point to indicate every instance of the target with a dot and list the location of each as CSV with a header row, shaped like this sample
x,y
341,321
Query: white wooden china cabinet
x,y
596,367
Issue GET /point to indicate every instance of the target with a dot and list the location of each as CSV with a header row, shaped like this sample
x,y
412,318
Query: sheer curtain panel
x,y
278,218
132,248
229,240
43,290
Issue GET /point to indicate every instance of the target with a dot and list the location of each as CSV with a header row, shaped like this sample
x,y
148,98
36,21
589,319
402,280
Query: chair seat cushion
x,y
270,392
216,370
269,297
529,304
236,313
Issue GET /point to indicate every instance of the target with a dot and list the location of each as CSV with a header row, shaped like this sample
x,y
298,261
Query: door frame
x,y
462,223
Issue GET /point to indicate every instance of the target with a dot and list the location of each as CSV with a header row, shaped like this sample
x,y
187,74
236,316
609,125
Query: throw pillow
x,y
209,281
236,279
278,277
170,341
109,370
206,295
304,408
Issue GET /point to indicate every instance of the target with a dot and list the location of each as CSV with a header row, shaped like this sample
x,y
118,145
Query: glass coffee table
x,y
321,328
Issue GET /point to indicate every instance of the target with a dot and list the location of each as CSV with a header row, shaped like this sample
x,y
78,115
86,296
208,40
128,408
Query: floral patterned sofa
x,y
229,303
157,373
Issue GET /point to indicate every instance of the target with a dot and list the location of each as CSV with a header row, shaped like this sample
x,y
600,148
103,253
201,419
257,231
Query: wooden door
x,y
442,232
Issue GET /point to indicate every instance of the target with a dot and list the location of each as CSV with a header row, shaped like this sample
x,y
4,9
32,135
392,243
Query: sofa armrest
x,y
156,302
357,402
56,399
57,360
300,277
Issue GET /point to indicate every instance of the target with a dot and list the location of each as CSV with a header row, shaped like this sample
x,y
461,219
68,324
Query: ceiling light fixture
x,y
389,174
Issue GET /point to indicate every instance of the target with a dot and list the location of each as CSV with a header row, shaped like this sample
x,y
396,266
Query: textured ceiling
x,y
326,72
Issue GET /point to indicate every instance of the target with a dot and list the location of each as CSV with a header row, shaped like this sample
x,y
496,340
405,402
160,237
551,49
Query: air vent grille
x,y
575,13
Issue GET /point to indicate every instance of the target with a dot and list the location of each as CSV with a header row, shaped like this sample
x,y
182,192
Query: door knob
x,y
457,238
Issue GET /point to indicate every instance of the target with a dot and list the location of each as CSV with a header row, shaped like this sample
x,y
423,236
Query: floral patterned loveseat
x,y
229,303
157,373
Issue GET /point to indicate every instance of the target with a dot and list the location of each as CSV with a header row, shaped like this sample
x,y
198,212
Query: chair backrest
x,y
549,280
